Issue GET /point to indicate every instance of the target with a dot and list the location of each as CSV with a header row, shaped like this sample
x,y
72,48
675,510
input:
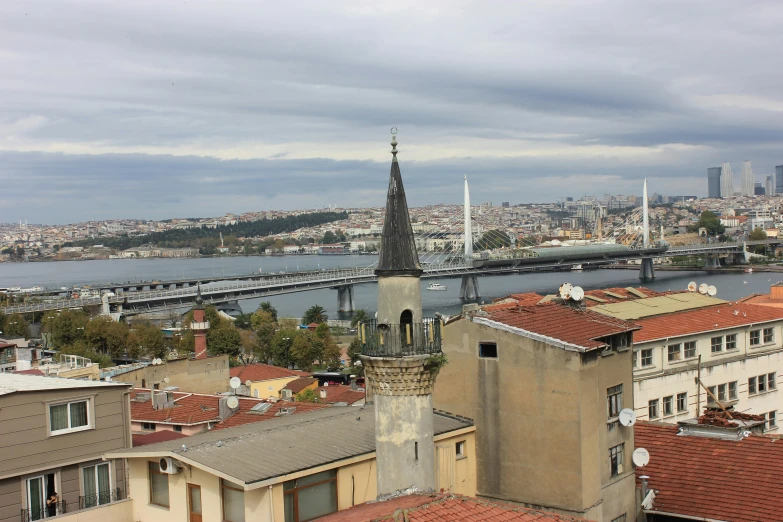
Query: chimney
x,y
323,393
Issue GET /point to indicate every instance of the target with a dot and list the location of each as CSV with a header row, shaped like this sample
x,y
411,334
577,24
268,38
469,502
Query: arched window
x,y
406,327
406,317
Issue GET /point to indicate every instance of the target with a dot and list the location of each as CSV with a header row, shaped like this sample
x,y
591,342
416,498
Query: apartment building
x,y
545,384
293,468
54,432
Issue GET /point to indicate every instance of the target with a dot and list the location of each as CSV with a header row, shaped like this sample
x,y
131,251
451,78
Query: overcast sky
x,y
158,109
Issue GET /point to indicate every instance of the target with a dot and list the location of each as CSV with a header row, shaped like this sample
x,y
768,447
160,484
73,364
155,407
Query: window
x,y
616,459
769,335
68,417
722,392
755,337
148,426
614,400
690,349
762,383
652,409
460,449
488,350
733,391
233,497
38,490
731,342
96,484
635,359
771,381
178,428
621,518
714,391
752,386
772,420
647,357
716,344
668,405
159,486
674,352
682,402
310,497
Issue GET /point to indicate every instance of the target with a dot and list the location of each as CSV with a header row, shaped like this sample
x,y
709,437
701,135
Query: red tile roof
x,y
601,293
142,439
246,417
192,408
263,372
712,478
339,393
300,384
568,325
717,317
32,371
442,508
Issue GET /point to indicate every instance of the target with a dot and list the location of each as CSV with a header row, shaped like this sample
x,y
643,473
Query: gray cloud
x,y
158,110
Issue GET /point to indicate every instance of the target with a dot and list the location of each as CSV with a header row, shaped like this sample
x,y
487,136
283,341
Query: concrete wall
x,y
396,294
208,375
542,435
121,511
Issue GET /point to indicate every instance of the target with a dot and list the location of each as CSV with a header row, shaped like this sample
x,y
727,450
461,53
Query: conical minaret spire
x,y
398,254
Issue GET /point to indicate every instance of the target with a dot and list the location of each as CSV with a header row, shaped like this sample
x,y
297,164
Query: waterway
x,y
730,286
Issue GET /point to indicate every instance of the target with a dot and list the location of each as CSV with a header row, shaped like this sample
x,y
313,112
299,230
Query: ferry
x,y
437,287
576,267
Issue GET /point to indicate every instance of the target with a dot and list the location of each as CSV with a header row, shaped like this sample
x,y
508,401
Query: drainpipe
x,y
644,486
271,506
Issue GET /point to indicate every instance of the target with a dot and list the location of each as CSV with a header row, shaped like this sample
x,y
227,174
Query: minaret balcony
x,y
400,340
201,325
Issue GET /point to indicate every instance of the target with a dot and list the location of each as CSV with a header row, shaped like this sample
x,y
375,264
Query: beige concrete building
x,y
54,432
545,384
208,375
263,381
272,471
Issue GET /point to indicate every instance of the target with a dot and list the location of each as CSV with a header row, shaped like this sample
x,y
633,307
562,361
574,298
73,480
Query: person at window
x,y
51,505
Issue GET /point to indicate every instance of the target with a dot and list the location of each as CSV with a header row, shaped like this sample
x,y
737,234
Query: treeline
x,y
201,237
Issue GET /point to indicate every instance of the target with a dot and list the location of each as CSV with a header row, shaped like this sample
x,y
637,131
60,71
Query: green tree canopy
x,y
106,336
306,349
264,328
266,306
65,327
224,339
280,348
315,314
151,339
360,316
16,326
711,222
329,238
758,234
493,239
307,395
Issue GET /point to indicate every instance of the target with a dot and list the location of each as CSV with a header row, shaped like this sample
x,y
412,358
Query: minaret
x,y
199,326
399,354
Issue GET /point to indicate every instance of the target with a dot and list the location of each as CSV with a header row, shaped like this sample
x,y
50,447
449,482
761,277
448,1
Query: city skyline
x,y
116,112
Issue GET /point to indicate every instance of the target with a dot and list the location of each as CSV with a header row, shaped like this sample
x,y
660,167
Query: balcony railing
x,y
104,497
44,511
400,340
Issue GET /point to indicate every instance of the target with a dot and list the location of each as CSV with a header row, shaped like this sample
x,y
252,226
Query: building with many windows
x,y
713,182
54,433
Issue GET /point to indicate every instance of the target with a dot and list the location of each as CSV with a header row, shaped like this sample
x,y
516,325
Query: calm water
x,y
70,273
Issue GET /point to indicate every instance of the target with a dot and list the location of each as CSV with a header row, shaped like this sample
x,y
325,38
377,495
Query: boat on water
x,y
437,287
576,267
748,270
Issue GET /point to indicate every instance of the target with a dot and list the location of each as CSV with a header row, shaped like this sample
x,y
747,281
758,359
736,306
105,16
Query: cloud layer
x,y
159,109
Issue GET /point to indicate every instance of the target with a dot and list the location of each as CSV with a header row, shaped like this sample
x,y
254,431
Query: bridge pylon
x,y
345,298
468,224
647,270
469,289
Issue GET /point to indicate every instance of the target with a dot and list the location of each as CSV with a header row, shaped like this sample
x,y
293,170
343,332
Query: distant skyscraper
x,y
770,186
779,179
758,190
713,182
746,179
726,181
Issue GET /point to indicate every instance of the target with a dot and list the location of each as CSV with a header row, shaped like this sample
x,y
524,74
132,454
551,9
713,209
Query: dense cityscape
x,y
402,262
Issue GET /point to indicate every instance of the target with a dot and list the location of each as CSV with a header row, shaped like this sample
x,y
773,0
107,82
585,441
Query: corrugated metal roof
x,y
285,445
16,382
652,306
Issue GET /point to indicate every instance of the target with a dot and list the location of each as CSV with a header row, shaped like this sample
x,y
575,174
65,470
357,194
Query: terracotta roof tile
x,y
578,327
339,393
32,371
300,384
704,320
442,508
711,478
263,372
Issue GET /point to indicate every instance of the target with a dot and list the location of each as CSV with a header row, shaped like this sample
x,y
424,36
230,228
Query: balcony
x,y
400,340
104,497
44,511
110,500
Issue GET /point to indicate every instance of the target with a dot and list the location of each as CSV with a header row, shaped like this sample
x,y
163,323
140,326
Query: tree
x,y
315,314
266,306
307,395
493,239
106,336
280,349
224,339
329,238
242,321
305,349
66,327
354,351
264,327
152,340
359,316
331,355
16,326
81,349
758,234
711,222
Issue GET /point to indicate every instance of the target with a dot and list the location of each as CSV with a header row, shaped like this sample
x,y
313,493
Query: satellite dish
x,y
235,382
565,291
577,294
711,290
248,383
232,402
627,417
692,286
703,288
641,457
166,380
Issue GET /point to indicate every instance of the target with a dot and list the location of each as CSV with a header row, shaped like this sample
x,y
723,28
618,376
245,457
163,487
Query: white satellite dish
x,y
166,380
235,382
248,383
232,402
692,286
641,457
565,291
627,417
577,294
711,290
703,288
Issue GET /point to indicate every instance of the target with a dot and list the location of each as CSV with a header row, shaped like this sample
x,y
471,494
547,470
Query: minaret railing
x,y
400,340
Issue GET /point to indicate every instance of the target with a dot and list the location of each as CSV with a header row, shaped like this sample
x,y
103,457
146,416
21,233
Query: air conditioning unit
x,y
287,394
168,466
